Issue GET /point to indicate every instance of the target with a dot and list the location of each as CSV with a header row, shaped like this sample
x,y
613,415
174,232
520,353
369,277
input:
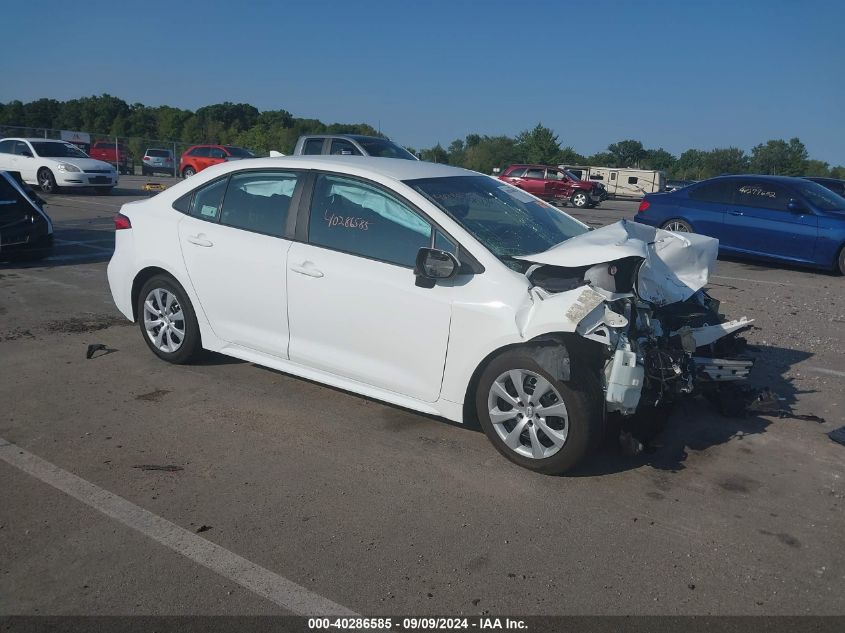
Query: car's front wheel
x,y
46,181
188,172
677,226
580,199
167,320
533,419
841,261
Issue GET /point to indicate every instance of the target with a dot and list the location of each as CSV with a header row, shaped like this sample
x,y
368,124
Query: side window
x,y
344,148
6,147
351,216
598,177
751,193
613,176
632,180
199,152
258,201
718,191
313,146
534,173
445,244
216,152
517,173
206,201
22,149
553,174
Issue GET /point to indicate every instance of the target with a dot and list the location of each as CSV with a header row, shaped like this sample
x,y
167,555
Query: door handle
x,y
735,213
308,269
199,240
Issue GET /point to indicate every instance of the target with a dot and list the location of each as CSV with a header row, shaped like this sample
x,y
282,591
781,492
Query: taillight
x,y
121,222
645,204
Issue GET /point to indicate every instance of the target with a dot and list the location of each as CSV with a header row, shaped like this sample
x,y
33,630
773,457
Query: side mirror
x,y
26,153
433,264
796,206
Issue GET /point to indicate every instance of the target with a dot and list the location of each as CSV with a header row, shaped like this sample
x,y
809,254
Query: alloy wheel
x,y
164,321
678,226
528,414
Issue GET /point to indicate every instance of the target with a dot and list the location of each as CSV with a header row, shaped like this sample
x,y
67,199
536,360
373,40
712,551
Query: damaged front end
x,y
638,293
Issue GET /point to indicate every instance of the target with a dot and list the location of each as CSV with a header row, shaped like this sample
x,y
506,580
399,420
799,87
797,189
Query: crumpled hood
x,y
676,264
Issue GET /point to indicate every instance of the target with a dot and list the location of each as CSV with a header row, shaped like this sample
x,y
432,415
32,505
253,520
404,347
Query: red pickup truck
x,y
117,155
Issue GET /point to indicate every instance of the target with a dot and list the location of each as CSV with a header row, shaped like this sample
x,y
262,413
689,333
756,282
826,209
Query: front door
x,y
761,222
353,306
235,251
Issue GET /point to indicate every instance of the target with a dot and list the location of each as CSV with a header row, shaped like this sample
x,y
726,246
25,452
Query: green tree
x,y
658,159
815,168
568,156
689,166
779,157
627,153
728,160
838,172
489,152
539,145
435,154
601,159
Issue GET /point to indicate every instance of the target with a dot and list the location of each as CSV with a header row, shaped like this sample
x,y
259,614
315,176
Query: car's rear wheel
x,y
46,181
533,419
677,226
580,199
841,261
167,320
188,172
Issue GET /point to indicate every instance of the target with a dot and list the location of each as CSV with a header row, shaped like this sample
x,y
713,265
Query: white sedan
x,y
53,164
434,288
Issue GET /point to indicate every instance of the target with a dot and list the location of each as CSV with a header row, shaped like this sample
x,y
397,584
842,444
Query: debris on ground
x,y
203,528
93,348
153,396
737,401
630,445
838,435
168,468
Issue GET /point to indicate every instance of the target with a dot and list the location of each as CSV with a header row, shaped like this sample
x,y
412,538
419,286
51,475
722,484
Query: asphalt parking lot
x,y
381,510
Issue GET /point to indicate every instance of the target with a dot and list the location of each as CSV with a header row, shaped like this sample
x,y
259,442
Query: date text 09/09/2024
x,y
409,624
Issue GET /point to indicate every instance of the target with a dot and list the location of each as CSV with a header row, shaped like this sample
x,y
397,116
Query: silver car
x,y
157,161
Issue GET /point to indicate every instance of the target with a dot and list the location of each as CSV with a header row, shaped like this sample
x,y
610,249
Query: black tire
x,y
103,191
46,181
583,406
188,172
677,225
841,261
191,344
580,199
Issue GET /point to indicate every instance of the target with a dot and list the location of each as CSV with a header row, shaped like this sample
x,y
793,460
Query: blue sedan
x,y
765,217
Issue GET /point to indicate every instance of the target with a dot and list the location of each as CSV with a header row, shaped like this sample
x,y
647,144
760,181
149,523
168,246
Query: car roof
x,y
354,137
393,168
763,177
35,140
533,166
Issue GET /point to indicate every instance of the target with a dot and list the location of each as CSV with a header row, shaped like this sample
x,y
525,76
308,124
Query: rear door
x,y
705,206
760,221
514,176
534,181
234,243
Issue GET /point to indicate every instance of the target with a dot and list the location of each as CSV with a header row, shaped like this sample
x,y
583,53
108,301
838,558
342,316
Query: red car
x,y
555,185
118,155
198,157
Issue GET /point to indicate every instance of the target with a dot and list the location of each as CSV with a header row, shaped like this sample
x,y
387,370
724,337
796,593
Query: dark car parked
x,y
26,231
834,184
766,217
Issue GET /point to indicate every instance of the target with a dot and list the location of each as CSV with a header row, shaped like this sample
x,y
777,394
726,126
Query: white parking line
x,y
830,372
263,582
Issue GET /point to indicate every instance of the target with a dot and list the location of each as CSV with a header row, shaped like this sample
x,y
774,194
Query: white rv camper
x,y
622,182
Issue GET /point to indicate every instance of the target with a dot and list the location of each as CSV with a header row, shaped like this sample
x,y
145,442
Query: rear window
x,y
383,148
159,153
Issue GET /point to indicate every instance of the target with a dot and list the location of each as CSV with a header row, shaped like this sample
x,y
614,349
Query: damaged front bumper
x,y
638,293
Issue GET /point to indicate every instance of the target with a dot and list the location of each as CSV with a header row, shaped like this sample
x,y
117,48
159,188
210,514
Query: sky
x,y
672,74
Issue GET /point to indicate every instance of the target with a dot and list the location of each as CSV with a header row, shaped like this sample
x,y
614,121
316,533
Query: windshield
x,y
821,197
46,149
382,148
505,219
239,152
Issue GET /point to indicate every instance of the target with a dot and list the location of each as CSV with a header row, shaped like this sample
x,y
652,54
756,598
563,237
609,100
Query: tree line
x,y
244,125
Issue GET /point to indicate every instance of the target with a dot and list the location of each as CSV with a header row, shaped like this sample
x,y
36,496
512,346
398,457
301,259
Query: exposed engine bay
x,y
661,336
